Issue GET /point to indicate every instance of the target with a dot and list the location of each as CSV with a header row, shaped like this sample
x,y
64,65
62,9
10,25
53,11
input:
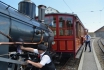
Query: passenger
x,y
87,41
45,58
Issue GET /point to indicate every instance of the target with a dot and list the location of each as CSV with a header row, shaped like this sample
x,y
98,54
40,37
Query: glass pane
x,y
66,32
69,25
61,21
54,32
47,20
62,24
61,32
77,29
69,19
70,32
51,22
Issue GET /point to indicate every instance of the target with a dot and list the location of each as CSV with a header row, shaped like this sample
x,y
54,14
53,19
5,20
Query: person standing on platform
x,y
87,41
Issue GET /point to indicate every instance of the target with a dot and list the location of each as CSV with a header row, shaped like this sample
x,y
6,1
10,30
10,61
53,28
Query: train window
x,y
66,32
65,26
69,23
54,31
61,22
61,32
69,26
51,21
78,29
47,21
70,32
61,25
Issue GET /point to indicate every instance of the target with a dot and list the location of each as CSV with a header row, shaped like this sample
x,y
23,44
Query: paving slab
x,y
89,60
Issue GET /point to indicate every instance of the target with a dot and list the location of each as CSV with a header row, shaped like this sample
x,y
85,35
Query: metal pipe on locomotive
x,y
16,24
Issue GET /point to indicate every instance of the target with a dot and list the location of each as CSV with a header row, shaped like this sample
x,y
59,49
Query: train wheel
x,y
58,58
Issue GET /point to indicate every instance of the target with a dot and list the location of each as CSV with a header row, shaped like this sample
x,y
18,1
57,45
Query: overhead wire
x,y
68,6
85,11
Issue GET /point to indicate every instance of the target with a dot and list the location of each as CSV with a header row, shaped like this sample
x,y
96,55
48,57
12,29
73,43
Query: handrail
x,y
9,43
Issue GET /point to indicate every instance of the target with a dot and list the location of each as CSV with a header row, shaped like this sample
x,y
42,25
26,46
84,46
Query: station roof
x,y
100,29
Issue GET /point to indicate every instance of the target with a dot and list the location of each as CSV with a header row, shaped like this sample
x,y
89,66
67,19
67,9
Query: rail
x,y
9,43
71,64
68,64
101,44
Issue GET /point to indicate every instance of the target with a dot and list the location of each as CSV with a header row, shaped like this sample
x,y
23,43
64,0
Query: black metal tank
x,y
18,25
27,7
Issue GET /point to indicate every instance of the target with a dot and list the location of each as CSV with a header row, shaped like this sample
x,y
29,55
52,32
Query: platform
x,y
89,60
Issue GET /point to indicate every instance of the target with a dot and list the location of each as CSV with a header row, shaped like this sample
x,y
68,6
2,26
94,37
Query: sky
x,y
90,12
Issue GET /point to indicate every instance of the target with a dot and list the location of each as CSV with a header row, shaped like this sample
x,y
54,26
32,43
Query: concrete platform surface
x,y
89,60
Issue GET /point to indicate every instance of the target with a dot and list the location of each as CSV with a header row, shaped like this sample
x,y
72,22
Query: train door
x,y
65,33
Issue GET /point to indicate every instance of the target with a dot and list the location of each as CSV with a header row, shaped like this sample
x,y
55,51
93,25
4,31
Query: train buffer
x,y
89,60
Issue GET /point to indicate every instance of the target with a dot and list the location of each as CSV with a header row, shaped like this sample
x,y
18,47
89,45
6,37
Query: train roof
x,y
71,14
61,14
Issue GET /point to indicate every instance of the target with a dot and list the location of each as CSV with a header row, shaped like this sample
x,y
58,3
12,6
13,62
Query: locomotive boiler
x,y
21,23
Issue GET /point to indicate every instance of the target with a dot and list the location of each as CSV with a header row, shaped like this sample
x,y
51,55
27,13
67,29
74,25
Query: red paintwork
x,y
68,43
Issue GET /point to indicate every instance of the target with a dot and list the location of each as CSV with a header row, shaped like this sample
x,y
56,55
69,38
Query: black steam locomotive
x,y
21,23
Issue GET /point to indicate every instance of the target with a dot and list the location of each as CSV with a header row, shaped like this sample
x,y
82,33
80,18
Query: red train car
x,y
69,32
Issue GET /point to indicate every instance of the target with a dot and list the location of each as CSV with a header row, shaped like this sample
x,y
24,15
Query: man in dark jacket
x,y
87,41
45,58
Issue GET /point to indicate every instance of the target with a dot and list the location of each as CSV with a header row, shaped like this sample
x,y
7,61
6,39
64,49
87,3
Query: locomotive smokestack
x,y
27,7
41,13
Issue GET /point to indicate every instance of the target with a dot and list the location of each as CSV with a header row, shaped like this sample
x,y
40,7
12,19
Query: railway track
x,y
68,64
72,64
101,44
99,49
